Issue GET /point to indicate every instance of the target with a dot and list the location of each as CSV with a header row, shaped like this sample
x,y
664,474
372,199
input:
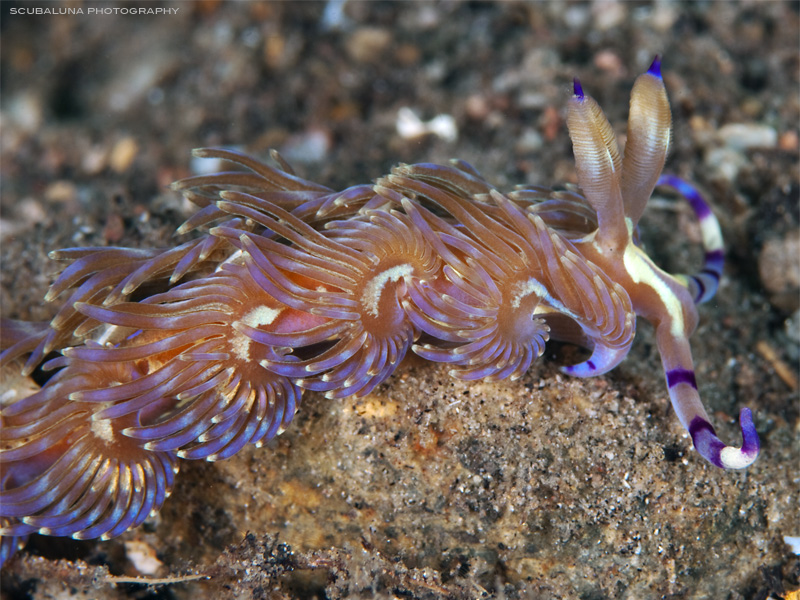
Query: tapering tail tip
x,y
718,454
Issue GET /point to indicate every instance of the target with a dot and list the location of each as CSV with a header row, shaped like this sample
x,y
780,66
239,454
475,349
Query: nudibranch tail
x,y
67,473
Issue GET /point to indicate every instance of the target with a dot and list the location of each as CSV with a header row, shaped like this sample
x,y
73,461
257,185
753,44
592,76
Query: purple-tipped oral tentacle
x,y
717,453
688,191
677,360
686,401
704,283
603,359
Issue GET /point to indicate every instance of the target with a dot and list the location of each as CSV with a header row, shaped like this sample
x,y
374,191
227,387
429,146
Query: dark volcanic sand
x,y
548,487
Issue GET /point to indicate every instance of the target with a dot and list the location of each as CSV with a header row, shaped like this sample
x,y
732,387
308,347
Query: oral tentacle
x,y
603,359
682,385
704,283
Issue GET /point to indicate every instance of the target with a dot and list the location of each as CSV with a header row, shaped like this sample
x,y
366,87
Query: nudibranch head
x,y
195,351
618,190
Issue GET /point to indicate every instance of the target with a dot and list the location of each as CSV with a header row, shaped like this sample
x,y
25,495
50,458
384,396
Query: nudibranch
x,y
195,351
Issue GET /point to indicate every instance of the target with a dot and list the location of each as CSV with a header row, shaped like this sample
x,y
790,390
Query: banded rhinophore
x,y
195,351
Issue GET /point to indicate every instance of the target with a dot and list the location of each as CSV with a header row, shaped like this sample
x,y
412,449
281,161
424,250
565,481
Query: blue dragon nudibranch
x,y
192,352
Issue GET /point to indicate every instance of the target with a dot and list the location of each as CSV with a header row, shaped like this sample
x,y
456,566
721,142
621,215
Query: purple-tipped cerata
x,y
294,286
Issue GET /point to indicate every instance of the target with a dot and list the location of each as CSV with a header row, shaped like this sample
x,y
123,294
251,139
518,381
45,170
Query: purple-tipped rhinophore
x,y
655,67
577,89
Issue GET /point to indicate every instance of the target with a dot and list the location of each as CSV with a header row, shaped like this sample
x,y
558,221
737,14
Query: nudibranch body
x,y
195,351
